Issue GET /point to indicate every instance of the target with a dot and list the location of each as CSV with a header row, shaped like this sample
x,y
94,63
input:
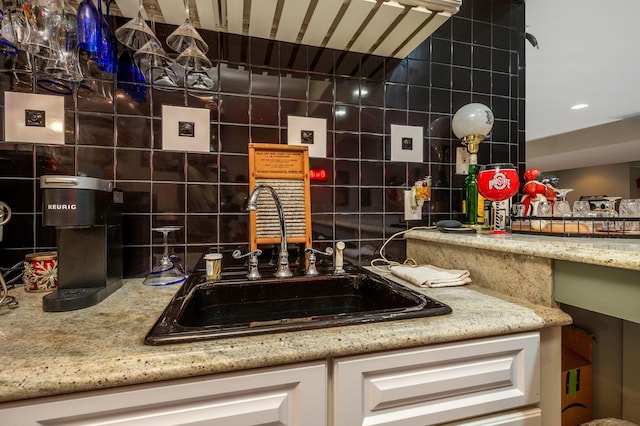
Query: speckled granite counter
x,y
597,274
102,346
618,253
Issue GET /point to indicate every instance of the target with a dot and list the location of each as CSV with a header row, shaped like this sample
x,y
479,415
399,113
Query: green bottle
x,y
472,201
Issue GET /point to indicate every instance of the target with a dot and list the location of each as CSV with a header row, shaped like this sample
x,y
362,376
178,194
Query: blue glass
x,y
95,36
107,57
128,72
88,19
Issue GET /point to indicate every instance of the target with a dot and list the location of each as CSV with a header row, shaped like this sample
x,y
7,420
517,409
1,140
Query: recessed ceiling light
x,y
579,106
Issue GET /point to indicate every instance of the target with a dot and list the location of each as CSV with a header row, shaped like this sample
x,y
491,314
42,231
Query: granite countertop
x,y
615,252
46,353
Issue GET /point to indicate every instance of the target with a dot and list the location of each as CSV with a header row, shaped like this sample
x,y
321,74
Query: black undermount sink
x,y
203,310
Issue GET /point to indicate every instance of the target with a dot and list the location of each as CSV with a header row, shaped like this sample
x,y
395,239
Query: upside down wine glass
x,y
498,182
165,272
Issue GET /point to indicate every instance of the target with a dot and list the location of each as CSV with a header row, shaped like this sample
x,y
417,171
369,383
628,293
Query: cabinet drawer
x,y
438,384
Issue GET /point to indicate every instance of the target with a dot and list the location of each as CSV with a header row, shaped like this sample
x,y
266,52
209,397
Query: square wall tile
x,y
185,129
33,118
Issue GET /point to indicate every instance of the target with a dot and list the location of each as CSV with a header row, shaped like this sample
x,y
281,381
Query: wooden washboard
x,y
286,169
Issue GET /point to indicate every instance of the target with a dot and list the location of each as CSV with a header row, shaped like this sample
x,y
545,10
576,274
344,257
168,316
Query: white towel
x,y
431,276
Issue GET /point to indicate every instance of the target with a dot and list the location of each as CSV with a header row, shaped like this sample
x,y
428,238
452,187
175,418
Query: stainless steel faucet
x,y
283,256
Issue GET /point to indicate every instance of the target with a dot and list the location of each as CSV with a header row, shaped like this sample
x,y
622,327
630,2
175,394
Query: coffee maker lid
x,y
75,182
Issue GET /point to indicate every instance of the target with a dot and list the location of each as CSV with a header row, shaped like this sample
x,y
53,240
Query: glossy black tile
x,y
168,166
136,230
137,196
372,120
264,112
371,173
133,165
234,168
234,109
234,228
95,129
96,162
372,201
348,90
321,88
204,228
371,147
16,160
347,145
168,197
133,132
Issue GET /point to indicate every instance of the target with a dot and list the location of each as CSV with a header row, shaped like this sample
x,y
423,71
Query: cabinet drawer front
x,y
438,384
293,396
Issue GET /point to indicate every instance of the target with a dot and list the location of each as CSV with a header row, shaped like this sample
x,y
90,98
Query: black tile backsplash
x,y
114,131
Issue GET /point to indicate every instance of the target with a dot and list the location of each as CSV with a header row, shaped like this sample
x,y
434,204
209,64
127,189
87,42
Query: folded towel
x,y
431,276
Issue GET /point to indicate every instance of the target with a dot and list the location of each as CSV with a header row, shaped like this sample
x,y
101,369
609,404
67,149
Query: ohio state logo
x,y
499,181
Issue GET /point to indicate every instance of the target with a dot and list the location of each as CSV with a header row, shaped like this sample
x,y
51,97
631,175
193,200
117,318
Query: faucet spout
x,y
283,256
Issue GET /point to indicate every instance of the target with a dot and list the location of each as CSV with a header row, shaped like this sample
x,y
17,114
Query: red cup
x,y
40,271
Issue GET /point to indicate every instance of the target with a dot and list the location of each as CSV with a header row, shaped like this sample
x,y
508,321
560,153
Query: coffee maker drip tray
x,y
69,299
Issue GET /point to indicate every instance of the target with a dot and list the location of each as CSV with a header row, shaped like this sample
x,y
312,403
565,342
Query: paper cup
x,y
213,263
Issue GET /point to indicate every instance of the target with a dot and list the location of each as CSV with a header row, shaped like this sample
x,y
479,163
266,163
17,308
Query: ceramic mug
x,y
40,271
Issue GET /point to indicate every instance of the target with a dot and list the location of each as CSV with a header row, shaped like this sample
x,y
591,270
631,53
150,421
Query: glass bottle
x,y
472,202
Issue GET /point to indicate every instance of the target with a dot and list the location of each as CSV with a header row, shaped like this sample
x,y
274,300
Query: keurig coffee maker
x,y
87,213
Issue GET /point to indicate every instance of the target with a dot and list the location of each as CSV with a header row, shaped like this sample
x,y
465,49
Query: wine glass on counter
x,y
498,182
165,272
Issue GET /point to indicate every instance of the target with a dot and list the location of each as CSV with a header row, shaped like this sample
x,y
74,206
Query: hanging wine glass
x,y
43,16
64,61
186,34
194,59
154,62
136,33
8,37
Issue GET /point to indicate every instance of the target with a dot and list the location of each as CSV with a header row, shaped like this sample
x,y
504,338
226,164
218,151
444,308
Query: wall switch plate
x,y
416,214
406,143
186,129
33,118
309,132
462,161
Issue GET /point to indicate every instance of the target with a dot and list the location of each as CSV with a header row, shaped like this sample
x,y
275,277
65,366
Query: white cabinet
x,y
438,384
491,381
290,395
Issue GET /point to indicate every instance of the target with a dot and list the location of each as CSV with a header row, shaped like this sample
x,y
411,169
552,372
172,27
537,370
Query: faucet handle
x,y
312,270
327,252
339,262
237,254
253,273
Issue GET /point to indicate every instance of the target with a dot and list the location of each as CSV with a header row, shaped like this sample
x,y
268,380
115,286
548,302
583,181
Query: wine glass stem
x,y
165,241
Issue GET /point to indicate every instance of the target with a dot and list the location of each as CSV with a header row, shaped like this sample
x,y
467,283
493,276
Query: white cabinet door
x,y
437,384
291,395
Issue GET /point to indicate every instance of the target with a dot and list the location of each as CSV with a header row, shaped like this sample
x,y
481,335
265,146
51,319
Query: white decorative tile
x,y
309,132
33,118
185,129
406,143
